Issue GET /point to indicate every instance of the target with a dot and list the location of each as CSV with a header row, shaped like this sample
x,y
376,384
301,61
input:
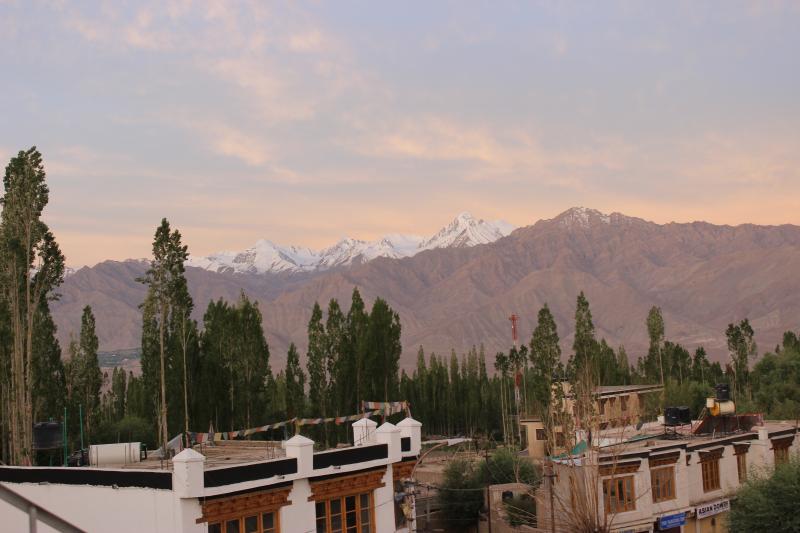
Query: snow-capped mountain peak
x,y
266,256
465,230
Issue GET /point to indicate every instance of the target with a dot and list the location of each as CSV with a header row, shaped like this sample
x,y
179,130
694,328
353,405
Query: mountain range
x,y
459,294
268,257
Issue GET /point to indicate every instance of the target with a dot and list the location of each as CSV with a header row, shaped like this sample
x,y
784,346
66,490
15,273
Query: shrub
x,y
768,502
461,494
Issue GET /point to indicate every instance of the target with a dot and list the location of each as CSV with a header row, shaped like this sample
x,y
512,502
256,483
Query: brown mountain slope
x,y
703,276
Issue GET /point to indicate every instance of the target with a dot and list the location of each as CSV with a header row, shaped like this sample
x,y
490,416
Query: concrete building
x,y
649,480
228,489
617,405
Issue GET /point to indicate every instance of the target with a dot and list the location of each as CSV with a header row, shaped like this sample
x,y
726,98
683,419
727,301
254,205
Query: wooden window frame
x,y
741,466
709,468
276,522
662,481
781,455
624,502
342,499
257,503
780,449
740,451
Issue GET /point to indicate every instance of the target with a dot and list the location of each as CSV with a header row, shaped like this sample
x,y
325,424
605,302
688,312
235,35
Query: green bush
x,y
768,502
461,494
505,465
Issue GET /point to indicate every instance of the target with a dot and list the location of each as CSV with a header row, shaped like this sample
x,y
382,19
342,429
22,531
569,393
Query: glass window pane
x,y
322,526
336,506
365,516
351,518
215,528
268,520
336,523
365,529
364,501
232,526
320,509
251,524
350,503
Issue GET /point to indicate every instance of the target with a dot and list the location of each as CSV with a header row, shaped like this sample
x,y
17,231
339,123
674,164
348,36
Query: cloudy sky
x,y
306,123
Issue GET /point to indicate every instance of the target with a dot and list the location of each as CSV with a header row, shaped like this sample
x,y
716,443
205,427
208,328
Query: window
x,y
623,403
781,455
710,469
740,451
741,466
346,514
252,512
540,434
618,494
663,483
257,523
781,449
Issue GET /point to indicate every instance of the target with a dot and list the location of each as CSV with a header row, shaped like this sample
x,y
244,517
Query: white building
x,y
347,490
662,482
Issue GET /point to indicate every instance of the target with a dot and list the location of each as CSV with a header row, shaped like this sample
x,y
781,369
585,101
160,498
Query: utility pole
x,y
488,500
550,474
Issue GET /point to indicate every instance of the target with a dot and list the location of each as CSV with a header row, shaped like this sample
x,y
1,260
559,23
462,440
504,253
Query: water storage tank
x,y
723,392
47,436
122,453
672,416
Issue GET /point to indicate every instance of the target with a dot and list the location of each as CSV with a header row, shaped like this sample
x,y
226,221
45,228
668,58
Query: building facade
x,y
675,483
358,489
614,406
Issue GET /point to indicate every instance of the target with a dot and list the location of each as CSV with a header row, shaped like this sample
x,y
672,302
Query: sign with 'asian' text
x,y
713,508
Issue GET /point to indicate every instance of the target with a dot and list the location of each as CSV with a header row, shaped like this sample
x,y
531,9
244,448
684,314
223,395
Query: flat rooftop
x,y
653,435
222,453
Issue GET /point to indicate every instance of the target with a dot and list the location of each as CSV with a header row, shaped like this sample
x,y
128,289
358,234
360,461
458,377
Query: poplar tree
x,y
383,349
545,359
90,378
584,345
31,266
654,364
165,279
334,346
742,348
295,384
351,368
251,363
316,363
49,383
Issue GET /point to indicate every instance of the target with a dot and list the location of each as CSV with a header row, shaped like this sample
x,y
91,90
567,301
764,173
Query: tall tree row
x,y
31,266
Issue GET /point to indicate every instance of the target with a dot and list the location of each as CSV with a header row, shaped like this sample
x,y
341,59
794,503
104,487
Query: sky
x,y
303,123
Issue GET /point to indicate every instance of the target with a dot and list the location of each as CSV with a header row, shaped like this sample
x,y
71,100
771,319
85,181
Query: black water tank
x,y
723,392
47,436
672,416
684,414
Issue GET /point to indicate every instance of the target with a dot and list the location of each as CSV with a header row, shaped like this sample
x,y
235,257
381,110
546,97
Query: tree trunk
x,y
185,390
164,437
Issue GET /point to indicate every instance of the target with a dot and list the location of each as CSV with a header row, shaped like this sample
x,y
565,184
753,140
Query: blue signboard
x,y
673,520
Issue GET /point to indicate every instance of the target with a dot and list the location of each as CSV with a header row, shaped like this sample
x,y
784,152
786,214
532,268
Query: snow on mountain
x,y
266,256
465,231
